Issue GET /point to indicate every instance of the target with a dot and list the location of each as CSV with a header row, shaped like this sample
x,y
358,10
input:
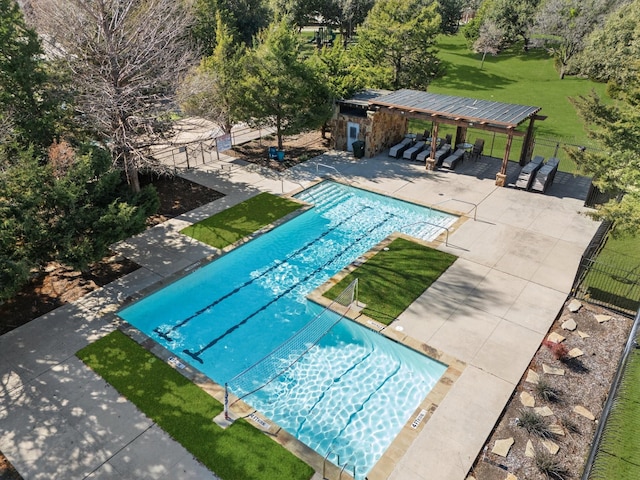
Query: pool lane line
x,y
365,401
196,355
329,387
165,333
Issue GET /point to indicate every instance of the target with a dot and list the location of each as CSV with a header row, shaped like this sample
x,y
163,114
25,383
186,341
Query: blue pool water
x,y
352,392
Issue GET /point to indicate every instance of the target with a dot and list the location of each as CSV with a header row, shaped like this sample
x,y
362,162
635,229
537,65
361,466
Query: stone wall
x,y
339,129
379,130
388,129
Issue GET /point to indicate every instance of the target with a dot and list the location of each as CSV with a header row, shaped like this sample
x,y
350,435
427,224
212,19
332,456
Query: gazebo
x,y
464,112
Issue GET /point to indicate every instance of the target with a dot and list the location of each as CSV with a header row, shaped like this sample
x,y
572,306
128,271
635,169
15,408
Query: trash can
x,y
358,148
280,155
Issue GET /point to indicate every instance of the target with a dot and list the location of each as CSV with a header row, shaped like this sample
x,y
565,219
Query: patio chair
x,y
422,156
399,149
442,153
528,173
411,153
452,160
478,147
545,175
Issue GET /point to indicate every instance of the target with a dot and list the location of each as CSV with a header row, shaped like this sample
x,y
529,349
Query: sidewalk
x,y
490,310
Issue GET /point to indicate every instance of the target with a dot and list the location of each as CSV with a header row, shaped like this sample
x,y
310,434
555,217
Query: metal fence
x,y
607,433
612,284
547,147
200,152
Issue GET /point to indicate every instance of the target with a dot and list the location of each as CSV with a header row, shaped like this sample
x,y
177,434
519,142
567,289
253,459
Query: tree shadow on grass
x,y
466,77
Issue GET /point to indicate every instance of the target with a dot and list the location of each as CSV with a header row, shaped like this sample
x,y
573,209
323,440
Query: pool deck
x,y
490,310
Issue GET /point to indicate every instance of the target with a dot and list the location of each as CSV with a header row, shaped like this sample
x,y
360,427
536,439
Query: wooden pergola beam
x,y
458,123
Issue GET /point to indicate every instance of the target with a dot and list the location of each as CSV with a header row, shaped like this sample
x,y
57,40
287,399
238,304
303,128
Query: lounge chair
x,y
422,156
412,152
399,149
528,173
442,153
545,175
452,160
478,147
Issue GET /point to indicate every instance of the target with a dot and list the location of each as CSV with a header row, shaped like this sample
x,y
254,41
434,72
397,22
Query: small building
x,y
354,120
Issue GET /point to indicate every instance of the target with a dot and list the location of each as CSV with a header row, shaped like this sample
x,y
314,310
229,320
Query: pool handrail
x,y
331,167
344,467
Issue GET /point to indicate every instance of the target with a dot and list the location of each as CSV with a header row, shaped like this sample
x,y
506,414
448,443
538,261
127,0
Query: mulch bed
x,y
586,382
297,148
58,284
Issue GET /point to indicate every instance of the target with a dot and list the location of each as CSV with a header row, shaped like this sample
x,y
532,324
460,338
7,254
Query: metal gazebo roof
x,y
505,115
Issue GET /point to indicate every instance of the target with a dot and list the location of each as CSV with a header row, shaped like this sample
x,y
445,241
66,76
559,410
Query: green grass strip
x,y
235,223
619,452
391,280
186,412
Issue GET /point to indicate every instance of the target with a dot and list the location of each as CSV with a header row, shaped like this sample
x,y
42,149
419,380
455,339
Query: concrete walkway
x,y
490,310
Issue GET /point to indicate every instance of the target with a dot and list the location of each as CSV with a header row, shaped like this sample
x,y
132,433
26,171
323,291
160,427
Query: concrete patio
x,y
490,310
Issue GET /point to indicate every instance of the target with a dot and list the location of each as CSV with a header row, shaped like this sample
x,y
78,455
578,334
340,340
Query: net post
x,y
226,402
357,291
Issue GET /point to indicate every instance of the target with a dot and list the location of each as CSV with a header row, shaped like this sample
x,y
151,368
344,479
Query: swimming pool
x,y
350,394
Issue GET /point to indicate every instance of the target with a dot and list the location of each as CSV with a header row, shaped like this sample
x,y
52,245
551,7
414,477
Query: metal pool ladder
x,y
344,467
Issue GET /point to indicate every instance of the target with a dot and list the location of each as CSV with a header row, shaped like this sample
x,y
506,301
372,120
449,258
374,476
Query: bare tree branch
x,y
127,58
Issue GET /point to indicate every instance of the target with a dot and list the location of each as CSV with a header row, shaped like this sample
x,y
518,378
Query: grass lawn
x,y
619,453
514,76
235,223
391,280
185,412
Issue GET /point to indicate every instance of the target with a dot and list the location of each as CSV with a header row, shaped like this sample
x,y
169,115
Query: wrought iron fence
x,y
612,286
608,440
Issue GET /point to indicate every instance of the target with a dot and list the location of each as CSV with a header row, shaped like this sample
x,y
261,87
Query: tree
x,y
245,18
489,40
398,39
69,209
25,103
611,53
209,91
451,13
471,30
280,89
345,15
515,19
340,71
127,58
614,51
565,25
